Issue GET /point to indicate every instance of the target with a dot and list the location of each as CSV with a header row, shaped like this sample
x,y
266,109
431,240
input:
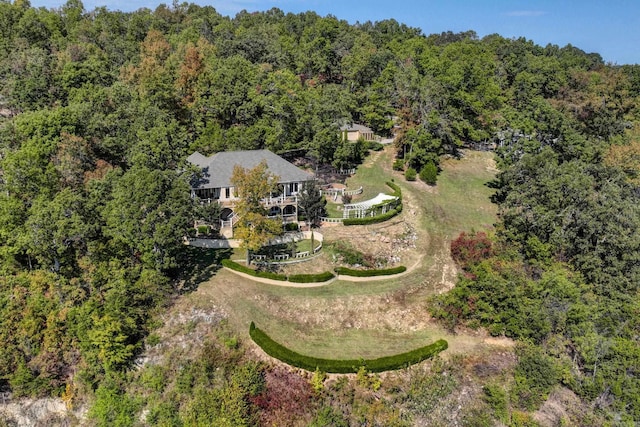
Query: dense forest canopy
x,y
99,109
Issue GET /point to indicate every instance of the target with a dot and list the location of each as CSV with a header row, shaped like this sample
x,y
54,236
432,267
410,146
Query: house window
x,y
227,193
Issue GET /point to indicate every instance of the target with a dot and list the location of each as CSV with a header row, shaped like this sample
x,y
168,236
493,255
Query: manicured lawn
x,y
342,319
372,176
305,245
332,209
355,343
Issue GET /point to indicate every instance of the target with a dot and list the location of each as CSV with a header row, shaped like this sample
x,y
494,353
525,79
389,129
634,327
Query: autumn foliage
x,y
286,398
469,249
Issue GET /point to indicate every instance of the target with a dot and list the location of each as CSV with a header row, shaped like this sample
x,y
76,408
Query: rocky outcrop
x,y
36,413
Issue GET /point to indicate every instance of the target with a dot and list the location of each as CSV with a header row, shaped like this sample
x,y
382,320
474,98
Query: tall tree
x,y
149,213
311,203
252,186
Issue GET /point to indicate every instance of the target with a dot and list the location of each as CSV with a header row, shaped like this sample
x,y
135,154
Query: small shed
x,y
356,131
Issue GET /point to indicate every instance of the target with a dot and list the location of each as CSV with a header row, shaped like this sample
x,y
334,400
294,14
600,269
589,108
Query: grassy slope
x,y
379,318
461,198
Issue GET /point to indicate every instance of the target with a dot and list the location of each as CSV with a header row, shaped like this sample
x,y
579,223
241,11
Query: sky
x,y
610,28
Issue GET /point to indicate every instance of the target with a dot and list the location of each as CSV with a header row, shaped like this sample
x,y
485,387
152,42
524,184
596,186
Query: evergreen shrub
x,y
296,278
373,219
396,190
371,273
291,226
398,165
251,272
429,173
410,174
311,278
374,145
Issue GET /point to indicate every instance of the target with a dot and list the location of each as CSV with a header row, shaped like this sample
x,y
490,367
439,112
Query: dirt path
x,y
373,158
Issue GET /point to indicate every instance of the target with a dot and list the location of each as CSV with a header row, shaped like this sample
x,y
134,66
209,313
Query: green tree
x,y
535,374
112,405
429,173
252,186
149,214
410,174
57,231
26,75
349,154
311,203
111,338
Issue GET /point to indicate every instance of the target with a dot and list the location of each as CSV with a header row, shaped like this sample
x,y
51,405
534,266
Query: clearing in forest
x,y
378,318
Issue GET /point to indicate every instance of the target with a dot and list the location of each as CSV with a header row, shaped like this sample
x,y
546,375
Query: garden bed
x,y
284,252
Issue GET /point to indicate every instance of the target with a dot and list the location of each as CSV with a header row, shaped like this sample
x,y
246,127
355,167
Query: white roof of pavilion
x,y
379,199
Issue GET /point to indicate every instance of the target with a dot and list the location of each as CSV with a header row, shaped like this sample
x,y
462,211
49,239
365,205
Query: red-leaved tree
x,y
468,249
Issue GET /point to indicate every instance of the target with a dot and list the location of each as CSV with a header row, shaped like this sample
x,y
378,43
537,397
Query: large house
x,y
215,184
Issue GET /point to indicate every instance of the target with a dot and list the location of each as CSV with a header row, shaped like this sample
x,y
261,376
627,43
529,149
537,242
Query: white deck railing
x,y
280,200
340,191
267,201
231,221
353,192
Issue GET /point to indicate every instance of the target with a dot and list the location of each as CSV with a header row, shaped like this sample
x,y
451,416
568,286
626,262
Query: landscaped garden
x,y
289,251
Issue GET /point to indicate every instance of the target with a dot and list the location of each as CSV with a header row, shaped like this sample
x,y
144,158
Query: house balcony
x,y
280,201
266,202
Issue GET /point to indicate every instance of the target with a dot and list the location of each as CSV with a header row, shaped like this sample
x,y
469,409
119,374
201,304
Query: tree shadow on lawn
x,y
200,265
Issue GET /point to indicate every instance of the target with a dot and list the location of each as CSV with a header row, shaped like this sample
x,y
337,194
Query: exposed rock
x,y
37,412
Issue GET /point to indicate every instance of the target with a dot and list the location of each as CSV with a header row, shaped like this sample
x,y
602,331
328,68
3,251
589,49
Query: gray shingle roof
x,y
219,167
355,127
198,159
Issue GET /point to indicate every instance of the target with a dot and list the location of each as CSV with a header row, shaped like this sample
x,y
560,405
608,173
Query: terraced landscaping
x,y
370,319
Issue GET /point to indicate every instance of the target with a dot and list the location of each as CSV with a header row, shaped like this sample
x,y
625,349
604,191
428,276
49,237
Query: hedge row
x,y
311,278
370,273
373,219
396,190
297,278
337,366
251,272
